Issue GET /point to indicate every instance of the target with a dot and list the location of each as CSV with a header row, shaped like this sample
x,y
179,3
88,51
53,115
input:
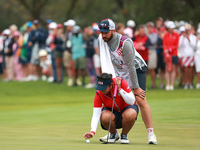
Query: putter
x,y
114,96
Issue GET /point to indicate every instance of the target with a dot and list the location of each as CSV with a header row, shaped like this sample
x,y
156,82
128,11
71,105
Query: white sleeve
x,y
95,119
129,98
49,40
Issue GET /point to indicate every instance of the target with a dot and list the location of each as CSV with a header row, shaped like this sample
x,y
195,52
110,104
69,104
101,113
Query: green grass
x,y
42,116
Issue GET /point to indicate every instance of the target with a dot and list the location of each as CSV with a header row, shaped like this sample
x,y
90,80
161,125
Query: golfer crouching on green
x,y
125,109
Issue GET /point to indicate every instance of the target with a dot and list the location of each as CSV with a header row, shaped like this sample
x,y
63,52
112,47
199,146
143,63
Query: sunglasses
x,y
103,26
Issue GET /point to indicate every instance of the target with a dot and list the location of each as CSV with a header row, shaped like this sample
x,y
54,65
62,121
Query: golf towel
x,y
106,64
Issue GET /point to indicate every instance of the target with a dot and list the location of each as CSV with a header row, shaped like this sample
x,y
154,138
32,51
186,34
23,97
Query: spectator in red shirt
x,y
170,46
140,42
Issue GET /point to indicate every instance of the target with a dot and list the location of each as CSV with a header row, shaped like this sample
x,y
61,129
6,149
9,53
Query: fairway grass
x,y
42,116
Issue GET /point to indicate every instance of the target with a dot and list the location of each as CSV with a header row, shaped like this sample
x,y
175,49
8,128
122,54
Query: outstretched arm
x,y
94,123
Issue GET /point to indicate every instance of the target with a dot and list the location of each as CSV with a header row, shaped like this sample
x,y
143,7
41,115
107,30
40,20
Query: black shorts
x,y
141,75
118,115
175,60
1,68
161,63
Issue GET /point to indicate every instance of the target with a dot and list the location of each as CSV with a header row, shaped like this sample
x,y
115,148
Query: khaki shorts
x,y
80,63
152,62
67,57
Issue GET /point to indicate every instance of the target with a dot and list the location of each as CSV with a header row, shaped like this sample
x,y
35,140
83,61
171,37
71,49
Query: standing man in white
x,y
119,57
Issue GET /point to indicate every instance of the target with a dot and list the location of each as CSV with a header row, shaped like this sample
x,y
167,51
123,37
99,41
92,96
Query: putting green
x,y
42,116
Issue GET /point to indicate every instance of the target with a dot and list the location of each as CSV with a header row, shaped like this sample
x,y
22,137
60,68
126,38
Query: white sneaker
x,y
29,78
34,78
104,139
191,86
50,79
124,139
70,82
79,83
185,87
152,138
167,87
44,78
90,85
171,87
198,86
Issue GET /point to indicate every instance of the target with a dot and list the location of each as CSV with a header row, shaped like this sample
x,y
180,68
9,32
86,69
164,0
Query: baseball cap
x,y
53,25
106,26
70,22
42,53
29,24
36,21
131,23
182,29
59,25
170,25
103,84
49,21
16,34
6,32
76,29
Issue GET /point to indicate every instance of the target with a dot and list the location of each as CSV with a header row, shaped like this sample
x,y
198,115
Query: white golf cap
x,y
53,25
170,25
6,32
70,22
131,23
42,53
182,29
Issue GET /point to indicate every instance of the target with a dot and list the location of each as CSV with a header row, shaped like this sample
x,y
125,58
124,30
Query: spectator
x,y
8,41
170,45
159,24
152,43
51,46
37,41
45,64
197,59
129,31
16,54
28,46
58,51
89,58
181,82
140,43
23,51
187,43
78,55
67,56
161,63
120,28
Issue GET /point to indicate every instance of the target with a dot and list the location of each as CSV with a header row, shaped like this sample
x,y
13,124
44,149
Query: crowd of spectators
x,y
170,49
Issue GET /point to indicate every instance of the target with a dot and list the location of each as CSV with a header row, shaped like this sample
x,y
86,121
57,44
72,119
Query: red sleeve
x,y
165,42
125,86
97,101
177,41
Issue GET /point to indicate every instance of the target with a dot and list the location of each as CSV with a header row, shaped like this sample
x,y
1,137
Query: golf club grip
x,y
115,91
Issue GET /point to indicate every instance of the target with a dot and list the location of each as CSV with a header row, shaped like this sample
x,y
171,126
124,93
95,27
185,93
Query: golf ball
x,y
87,141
